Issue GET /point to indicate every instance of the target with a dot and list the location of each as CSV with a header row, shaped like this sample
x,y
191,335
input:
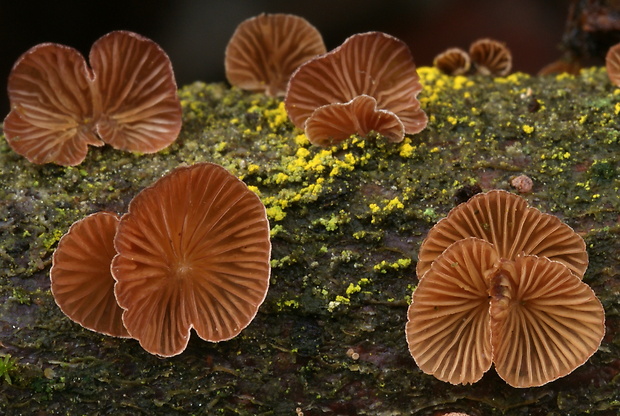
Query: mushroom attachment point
x,y
193,252
60,106
81,282
373,64
265,50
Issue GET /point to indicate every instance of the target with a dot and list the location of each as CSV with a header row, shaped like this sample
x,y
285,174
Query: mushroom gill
x,y
505,220
491,57
81,282
60,106
545,321
612,64
265,50
373,64
452,61
193,251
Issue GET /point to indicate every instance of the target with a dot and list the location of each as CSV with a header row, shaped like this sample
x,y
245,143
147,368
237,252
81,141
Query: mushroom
x,y
612,63
372,64
545,321
453,61
265,50
193,251
448,327
505,220
491,57
81,282
59,105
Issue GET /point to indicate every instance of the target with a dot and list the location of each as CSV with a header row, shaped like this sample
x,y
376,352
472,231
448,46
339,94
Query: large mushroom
x,y
193,252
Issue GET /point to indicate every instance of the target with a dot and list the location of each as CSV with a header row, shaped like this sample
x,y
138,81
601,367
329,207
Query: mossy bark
x,y
346,225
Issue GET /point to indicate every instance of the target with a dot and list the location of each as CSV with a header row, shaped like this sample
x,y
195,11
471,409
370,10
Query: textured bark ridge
x,y
346,225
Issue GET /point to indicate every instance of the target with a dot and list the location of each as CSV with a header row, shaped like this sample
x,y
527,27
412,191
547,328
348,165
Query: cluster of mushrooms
x,y
500,282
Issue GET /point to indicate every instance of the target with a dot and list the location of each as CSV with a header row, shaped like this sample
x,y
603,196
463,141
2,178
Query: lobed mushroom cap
x,y
448,327
59,105
265,50
612,63
136,92
373,64
491,57
334,123
545,321
193,251
81,281
453,61
52,116
505,220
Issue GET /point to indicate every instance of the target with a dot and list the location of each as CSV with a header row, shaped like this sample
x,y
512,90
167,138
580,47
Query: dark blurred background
x,y
195,33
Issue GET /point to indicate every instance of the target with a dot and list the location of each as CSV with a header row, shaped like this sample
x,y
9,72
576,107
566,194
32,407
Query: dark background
x,y
194,33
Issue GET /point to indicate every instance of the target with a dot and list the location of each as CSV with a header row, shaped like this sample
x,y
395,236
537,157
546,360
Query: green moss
x,y
346,222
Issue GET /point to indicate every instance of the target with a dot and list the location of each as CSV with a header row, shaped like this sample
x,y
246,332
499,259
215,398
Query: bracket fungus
x,y
368,83
265,50
501,284
81,281
59,106
193,251
491,57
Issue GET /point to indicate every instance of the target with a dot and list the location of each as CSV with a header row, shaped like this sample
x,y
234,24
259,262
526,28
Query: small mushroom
x,y
81,282
448,327
505,220
193,252
612,63
491,57
60,106
545,321
265,50
334,123
373,64
453,61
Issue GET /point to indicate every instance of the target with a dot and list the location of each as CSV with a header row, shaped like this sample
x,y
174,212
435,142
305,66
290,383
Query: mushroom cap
x,y
334,123
453,61
59,105
193,251
136,91
373,64
505,220
612,63
545,321
491,57
81,280
448,327
265,50
52,115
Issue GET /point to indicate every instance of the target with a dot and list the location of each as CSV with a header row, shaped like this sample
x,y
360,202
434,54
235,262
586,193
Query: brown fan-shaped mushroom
x,y
334,123
59,105
265,50
448,328
491,57
82,284
505,220
373,64
612,63
193,251
452,61
545,321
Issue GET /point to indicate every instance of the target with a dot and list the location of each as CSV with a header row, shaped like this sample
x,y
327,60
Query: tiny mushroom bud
x,y
522,183
453,61
491,57
193,252
59,105
612,63
265,50
371,64
80,276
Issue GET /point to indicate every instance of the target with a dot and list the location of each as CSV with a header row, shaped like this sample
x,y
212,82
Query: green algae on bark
x,y
346,225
